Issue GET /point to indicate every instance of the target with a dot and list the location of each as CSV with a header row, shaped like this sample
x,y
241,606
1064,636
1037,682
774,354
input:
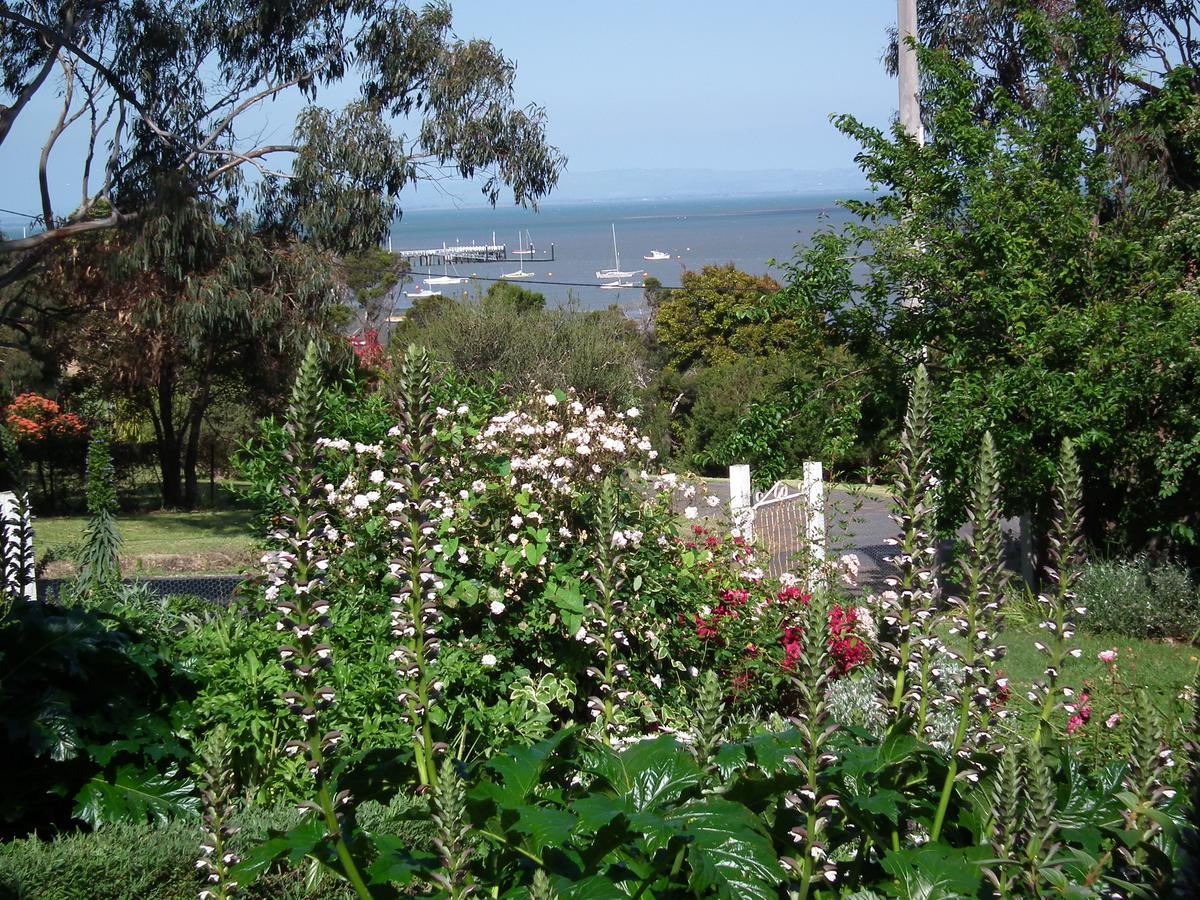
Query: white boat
x,y
422,294
446,277
618,284
520,273
657,254
615,271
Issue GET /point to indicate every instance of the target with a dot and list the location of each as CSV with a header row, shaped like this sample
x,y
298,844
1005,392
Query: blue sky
x,y
644,84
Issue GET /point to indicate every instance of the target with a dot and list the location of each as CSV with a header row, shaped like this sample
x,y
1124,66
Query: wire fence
x,y
213,588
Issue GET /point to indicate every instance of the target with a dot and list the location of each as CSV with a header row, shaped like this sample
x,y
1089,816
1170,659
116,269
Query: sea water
x,y
749,232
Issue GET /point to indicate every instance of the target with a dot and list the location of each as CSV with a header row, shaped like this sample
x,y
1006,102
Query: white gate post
x,y
741,501
814,520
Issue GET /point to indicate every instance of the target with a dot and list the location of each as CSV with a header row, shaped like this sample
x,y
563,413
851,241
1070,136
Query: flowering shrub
x,y
38,423
529,594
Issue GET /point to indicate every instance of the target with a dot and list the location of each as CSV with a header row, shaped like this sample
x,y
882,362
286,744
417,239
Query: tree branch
x,y
59,127
65,231
8,114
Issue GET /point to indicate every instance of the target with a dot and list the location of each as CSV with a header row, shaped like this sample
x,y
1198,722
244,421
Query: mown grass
x,y
1163,670
163,541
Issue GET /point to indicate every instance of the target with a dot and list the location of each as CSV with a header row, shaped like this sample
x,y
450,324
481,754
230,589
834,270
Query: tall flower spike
x,y
908,605
416,610
16,553
813,671
453,830
296,589
709,723
217,860
1037,842
604,625
1058,607
1007,821
1187,872
100,565
1147,790
975,616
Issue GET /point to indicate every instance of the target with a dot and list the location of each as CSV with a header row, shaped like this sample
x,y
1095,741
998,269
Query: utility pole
x,y
910,107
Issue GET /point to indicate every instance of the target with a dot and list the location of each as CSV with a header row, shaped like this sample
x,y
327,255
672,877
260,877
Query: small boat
x,y
520,273
422,294
446,277
526,251
615,271
618,284
657,254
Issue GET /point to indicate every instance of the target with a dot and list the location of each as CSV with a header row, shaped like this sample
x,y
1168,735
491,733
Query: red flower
x,y
1083,713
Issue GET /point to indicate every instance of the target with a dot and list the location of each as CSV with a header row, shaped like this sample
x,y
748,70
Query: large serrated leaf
x,y
955,870
396,864
543,825
136,795
291,846
649,772
729,855
517,771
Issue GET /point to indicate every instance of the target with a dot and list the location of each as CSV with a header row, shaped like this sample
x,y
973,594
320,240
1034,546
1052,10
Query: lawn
x,y
160,542
1163,669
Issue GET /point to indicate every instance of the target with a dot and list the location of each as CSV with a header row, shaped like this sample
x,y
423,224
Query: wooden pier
x,y
472,253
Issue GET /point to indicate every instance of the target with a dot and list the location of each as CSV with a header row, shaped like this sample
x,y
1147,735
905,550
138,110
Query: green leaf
x,y
648,772
136,795
729,855
292,846
395,864
883,801
518,770
955,870
544,825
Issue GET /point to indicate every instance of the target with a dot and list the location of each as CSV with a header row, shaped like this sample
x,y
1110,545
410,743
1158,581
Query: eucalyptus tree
x,y
170,98
1054,245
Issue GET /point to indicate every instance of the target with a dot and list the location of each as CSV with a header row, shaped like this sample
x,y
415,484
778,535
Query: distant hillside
x,y
637,184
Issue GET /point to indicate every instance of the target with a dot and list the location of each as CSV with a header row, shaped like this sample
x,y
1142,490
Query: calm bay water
x,y
746,231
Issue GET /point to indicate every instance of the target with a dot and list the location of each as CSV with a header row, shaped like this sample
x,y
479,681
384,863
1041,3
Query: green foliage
x,y
93,717
99,564
520,298
133,795
510,340
1037,251
1138,598
372,277
721,313
158,860
753,376
12,466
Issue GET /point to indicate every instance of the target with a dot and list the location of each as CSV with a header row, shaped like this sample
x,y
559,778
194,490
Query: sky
x,y
635,84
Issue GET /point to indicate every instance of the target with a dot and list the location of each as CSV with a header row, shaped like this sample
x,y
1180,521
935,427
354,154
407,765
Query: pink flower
x,y
1111,721
1107,656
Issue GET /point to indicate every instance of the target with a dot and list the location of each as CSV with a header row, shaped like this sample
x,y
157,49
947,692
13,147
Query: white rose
x,y
488,660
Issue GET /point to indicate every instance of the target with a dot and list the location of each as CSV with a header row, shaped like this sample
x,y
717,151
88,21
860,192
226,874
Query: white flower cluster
x,y
557,445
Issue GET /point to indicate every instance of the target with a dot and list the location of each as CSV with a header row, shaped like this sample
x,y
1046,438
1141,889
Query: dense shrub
x,y
520,345
91,717
1137,598
157,862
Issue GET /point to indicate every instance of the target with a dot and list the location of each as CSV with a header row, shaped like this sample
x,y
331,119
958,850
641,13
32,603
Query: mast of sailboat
x,y
616,255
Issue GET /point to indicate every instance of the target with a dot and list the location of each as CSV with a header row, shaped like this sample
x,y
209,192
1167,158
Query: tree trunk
x,y
195,421
191,490
168,439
